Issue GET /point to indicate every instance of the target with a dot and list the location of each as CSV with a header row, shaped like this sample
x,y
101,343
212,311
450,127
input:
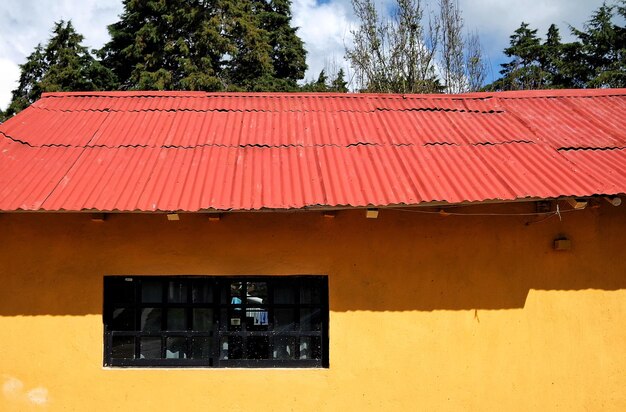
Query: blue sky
x,y
324,26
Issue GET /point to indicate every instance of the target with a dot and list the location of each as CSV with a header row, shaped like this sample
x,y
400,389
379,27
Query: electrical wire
x,y
442,212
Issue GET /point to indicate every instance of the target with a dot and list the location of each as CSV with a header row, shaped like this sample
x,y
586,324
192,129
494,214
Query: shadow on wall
x,y
53,264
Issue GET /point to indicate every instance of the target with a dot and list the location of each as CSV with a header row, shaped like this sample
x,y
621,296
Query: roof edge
x,y
320,208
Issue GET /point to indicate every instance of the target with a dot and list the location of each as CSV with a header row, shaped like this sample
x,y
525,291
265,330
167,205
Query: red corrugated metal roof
x,y
191,151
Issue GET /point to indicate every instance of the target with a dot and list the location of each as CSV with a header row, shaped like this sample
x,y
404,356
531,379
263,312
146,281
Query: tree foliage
x,y
395,55
461,61
324,83
597,58
603,48
206,45
414,51
62,64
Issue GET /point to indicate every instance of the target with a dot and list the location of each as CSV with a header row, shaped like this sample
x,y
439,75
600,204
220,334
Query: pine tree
x,y
596,59
166,45
326,84
287,49
603,48
339,83
556,62
319,86
63,64
205,45
524,70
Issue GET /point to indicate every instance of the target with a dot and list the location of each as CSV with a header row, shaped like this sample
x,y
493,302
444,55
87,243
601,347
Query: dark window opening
x,y
202,321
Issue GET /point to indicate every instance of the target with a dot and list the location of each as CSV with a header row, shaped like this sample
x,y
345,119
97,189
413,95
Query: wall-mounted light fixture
x,y
173,216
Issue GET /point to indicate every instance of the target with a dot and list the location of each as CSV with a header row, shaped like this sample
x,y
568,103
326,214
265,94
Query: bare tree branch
x,y
404,53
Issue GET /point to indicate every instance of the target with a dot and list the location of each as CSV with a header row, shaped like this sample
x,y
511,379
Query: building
x,y
194,251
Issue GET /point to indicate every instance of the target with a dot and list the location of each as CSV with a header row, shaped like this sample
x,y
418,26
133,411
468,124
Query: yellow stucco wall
x,y
427,312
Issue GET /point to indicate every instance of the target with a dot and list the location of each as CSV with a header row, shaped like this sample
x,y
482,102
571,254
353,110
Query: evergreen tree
x,y
339,83
320,85
166,45
551,57
206,45
603,48
287,49
597,59
63,64
325,84
524,70
560,62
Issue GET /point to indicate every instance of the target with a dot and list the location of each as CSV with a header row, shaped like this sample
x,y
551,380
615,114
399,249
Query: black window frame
x,y
223,311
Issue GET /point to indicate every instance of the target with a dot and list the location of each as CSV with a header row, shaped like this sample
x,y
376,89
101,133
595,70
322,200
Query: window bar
x,y
137,285
244,319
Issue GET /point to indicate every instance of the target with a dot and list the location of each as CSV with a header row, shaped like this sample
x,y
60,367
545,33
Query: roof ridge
x,y
519,94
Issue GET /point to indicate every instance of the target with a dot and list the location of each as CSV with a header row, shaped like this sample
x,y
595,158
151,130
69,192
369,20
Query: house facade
x,y
191,251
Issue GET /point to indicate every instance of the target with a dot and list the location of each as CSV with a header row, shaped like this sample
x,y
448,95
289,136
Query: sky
x,y
324,26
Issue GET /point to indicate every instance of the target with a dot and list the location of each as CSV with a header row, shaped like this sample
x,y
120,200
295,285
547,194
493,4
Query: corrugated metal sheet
x,y
192,151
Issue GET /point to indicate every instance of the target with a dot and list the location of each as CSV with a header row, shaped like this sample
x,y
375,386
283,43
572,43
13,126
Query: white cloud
x,y
24,23
10,73
325,30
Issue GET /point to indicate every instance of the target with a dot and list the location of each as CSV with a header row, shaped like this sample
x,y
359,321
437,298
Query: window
x,y
202,321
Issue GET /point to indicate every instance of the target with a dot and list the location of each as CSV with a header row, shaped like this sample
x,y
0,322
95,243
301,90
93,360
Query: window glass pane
x,y
123,347
176,348
151,291
176,319
310,347
284,347
120,290
258,347
256,292
150,348
284,293
257,319
236,289
177,292
202,319
310,319
201,348
316,347
310,291
122,319
231,319
151,320
201,291
231,347
284,319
